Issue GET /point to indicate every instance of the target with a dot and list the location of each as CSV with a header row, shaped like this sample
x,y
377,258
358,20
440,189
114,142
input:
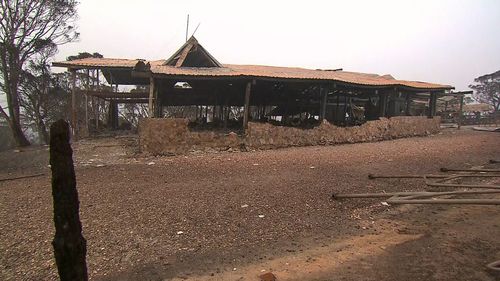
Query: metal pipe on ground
x,y
456,185
412,194
445,201
372,176
444,193
471,170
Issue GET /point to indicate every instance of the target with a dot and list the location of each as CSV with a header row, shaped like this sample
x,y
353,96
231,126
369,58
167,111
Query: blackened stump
x,y
69,244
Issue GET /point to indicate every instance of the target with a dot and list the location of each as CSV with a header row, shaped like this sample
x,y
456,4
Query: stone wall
x,y
167,136
266,136
172,135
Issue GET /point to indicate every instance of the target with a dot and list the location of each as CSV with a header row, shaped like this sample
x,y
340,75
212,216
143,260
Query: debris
x,y
268,277
312,167
494,265
151,163
372,176
180,232
429,197
261,216
244,206
445,201
256,164
22,177
496,129
471,170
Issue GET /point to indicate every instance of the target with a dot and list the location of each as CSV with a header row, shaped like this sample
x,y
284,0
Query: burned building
x,y
230,96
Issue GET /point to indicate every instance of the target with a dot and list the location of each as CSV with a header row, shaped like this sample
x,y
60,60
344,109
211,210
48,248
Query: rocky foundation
x,y
172,135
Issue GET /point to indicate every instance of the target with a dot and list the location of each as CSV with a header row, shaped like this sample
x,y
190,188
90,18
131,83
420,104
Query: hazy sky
x,y
449,42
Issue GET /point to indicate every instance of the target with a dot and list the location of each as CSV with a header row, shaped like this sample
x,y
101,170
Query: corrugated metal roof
x,y
97,63
234,70
293,73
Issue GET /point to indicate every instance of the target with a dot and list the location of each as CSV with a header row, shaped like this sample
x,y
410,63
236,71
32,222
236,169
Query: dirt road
x,y
231,216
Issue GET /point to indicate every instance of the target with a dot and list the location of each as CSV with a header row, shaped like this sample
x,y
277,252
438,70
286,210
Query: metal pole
x,y
446,201
471,170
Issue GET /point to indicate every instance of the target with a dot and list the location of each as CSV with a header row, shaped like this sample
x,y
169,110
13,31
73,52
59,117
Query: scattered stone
x,y
268,277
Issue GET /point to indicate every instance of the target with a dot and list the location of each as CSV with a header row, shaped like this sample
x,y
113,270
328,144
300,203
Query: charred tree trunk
x,y
11,81
42,132
69,244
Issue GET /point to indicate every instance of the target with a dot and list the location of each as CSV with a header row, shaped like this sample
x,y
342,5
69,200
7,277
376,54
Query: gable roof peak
x,y
192,54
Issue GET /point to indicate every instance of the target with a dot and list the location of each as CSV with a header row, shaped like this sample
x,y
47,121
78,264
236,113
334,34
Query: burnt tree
x,y
69,244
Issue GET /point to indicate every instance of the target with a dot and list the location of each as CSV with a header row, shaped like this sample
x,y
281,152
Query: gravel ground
x,y
185,216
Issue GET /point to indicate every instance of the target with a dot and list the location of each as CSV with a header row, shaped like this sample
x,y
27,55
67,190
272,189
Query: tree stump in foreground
x,y
69,244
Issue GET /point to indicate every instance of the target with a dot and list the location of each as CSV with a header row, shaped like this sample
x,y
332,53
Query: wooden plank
x,y
246,110
110,95
183,55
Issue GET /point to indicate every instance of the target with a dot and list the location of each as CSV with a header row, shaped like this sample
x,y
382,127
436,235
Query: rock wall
x,y
167,136
267,136
172,135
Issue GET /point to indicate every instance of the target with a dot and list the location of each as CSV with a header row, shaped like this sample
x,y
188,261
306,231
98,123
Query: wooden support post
x,y
246,110
337,110
408,104
461,112
87,87
113,115
74,115
345,110
97,103
432,104
70,247
323,100
151,96
382,103
158,108
226,112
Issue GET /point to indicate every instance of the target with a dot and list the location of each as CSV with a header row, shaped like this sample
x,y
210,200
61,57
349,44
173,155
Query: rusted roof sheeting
x,y
97,63
234,70
293,73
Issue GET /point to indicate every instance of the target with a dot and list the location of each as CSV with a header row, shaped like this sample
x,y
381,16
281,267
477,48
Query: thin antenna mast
x,y
187,28
196,29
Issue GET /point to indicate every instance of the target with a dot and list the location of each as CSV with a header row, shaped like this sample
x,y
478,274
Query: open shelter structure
x,y
193,77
